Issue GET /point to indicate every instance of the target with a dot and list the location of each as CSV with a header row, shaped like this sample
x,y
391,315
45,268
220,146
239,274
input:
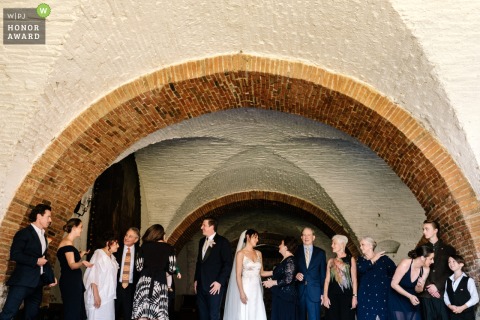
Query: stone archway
x,y
296,206
95,138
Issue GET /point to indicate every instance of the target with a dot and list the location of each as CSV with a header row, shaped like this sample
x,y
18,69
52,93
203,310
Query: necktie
x,y
307,256
126,269
205,247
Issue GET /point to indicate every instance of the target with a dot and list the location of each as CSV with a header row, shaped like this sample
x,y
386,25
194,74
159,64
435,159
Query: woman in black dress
x,y
71,283
283,282
408,280
340,291
155,258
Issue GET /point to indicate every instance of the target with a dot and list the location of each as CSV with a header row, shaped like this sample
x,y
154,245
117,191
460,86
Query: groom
x,y
214,263
311,264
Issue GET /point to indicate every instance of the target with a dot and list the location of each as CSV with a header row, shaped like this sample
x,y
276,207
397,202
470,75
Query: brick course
x,y
94,139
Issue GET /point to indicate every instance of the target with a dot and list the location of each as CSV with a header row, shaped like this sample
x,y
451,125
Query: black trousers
x,y
433,309
124,301
31,298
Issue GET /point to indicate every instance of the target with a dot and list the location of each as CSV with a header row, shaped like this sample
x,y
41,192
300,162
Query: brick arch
x,y
260,199
96,137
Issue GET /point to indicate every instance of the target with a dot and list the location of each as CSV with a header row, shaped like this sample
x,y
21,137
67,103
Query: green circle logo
x,y
43,10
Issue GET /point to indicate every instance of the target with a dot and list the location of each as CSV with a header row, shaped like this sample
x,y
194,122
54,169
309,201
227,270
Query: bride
x,y
244,299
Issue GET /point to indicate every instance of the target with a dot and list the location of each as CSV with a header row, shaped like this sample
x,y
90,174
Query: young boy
x,y
460,291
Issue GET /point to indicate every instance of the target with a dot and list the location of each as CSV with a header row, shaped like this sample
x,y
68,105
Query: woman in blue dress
x,y
409,278
283,282
375,271
71,283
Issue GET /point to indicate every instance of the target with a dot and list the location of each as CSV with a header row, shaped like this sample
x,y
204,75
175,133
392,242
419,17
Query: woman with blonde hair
x,y
340,291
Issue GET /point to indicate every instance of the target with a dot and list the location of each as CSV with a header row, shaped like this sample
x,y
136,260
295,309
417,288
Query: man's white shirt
x,y
41,236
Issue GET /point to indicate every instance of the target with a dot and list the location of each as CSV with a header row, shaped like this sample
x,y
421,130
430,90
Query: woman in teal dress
x,y
409,278
71,283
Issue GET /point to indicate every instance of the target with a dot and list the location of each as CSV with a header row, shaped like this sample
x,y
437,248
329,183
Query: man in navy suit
x,y
214,263
311,264
32,270
126,289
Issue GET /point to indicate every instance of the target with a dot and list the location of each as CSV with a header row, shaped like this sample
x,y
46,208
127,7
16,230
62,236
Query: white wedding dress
x,y
252,285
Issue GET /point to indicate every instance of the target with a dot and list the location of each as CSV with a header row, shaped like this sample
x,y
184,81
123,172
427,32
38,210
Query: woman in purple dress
x,y
375,271
409,278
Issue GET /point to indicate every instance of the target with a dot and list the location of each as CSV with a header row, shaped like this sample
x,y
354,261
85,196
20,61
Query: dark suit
x,y
26,283
215,266
434,308
124,300
310,289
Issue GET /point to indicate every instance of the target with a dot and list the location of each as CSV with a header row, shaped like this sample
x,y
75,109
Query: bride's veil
x,y
232,301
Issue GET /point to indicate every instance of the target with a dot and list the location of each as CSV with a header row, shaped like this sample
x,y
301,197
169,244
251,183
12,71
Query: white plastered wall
x,y
422,56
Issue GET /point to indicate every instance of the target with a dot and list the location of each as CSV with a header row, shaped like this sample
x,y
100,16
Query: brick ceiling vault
x,y
95,138
225,180
259,199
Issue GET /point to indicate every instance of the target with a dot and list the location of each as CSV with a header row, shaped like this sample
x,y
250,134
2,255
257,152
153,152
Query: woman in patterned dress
x,y
155,258
375,272
340,291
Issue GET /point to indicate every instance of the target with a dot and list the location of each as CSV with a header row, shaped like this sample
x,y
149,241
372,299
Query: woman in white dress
x,y
100,281
244,299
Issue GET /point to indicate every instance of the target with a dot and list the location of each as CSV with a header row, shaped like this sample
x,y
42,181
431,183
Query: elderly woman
x,y
375,272
283,282
340,292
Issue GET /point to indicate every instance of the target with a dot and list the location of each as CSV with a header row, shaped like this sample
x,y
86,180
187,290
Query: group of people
x,y
133,282
428,285
120,281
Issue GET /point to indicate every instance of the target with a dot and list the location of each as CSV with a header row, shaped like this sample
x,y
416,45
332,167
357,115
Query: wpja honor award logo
x,y
25,25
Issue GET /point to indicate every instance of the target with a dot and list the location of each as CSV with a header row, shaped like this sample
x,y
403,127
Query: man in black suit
x,y
431,299
32,270
311,263
214,263
127,275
